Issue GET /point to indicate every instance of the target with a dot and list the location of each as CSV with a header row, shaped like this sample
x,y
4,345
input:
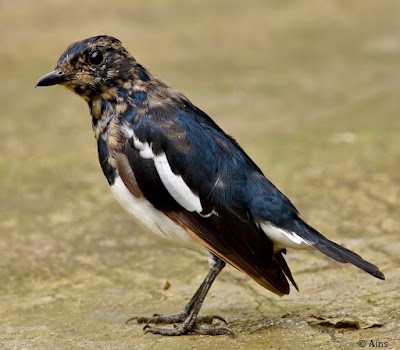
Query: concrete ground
x,y
310,89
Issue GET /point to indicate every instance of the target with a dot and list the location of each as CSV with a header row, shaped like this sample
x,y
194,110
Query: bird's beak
x,y
54,78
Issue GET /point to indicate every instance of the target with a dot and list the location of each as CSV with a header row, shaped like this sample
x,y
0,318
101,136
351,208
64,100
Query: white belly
x,y
165,230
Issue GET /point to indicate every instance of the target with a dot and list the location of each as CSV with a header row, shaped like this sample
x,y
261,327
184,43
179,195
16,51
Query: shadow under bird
x,y
173,168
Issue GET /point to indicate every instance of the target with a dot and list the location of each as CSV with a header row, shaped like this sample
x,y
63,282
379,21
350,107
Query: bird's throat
x,y
97,107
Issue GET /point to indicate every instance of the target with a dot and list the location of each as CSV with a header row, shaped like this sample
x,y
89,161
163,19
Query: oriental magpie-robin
x,y
173,168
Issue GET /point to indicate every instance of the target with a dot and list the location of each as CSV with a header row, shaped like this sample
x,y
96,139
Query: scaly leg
x,y
189,315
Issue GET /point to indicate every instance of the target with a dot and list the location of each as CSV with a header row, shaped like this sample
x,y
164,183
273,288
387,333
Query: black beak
x,y
54,78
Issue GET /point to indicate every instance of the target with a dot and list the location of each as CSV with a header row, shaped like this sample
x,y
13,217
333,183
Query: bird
x,y
173,169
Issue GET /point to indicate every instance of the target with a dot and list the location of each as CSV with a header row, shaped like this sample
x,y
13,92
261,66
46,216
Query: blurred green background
x,y
310,89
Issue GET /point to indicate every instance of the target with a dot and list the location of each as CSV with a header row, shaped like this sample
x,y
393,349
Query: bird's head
x,y
93,67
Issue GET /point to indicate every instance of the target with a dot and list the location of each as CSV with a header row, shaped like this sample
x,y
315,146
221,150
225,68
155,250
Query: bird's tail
x,y
335,251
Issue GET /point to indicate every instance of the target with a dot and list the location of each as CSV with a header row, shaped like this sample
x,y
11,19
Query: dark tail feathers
x,y
284,266
337,252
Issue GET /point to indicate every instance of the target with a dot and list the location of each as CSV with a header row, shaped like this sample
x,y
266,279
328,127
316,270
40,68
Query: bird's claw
x,y
195,329
210,319
171,319
132,319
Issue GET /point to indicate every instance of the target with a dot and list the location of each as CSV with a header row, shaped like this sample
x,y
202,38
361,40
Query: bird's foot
x,y
172,319
190,322
194,329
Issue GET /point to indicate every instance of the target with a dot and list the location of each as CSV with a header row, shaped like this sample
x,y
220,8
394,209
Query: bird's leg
x,y
189,315
183,314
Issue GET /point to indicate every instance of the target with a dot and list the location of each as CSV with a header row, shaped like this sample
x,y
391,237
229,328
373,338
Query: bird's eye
x,y
96,58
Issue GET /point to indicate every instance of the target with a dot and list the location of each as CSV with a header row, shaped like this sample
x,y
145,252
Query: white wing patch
x,y
283,238
174,184
146,152
144,148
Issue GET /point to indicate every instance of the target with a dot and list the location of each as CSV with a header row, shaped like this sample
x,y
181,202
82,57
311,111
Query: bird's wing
x,y
276,215
201,179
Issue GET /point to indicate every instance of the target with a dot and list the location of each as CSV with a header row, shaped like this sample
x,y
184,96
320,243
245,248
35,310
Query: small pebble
x,y
165,285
